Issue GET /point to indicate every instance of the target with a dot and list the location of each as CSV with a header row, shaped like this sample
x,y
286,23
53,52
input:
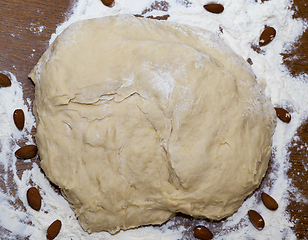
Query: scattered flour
x,y
240,26
36,28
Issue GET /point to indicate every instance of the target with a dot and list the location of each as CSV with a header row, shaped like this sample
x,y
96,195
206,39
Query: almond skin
x,y
34,198
4,81
19,118
283,115
202,232
214,8
267,36
256,219
26,152
269,202
107,3
53,230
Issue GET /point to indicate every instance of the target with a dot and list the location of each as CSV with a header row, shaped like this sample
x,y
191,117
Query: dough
x,y
138,119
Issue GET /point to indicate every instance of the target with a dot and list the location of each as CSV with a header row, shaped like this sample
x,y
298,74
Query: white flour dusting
x,y
240,26
36,28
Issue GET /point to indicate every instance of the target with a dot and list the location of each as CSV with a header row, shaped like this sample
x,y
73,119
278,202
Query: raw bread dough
x,y
138,119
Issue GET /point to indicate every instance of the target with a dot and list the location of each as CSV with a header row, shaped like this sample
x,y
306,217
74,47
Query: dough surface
x,y
138,119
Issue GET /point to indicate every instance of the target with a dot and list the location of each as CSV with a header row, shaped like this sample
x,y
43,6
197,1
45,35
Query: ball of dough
x,y
138,119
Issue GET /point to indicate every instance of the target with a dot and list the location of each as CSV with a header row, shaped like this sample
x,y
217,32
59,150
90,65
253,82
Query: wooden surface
x,y
22,43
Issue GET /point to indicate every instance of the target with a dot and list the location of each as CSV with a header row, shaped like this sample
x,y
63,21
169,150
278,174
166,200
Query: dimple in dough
x,y
138,119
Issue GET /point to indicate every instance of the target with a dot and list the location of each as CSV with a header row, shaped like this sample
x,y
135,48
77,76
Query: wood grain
x,y
22,43
297,63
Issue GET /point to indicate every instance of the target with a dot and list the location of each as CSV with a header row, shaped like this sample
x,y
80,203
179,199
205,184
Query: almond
x,y
214,8
283,115
202,232
34,198
26,152
19,118
53,230
267,36
107,2
269,202
4,81
256,219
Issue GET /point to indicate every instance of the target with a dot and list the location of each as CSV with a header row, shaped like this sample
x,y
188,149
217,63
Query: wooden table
x,y
22,42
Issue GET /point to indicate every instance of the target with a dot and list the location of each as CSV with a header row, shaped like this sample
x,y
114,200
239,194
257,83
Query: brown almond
x,y
26,152
4,81
214,8
256,219
269,202
19,118
107,3
34,198
267,36
202,232
53,230
283,115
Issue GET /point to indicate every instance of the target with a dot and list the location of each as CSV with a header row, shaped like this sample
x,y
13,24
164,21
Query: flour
x,y
240,26
36,28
